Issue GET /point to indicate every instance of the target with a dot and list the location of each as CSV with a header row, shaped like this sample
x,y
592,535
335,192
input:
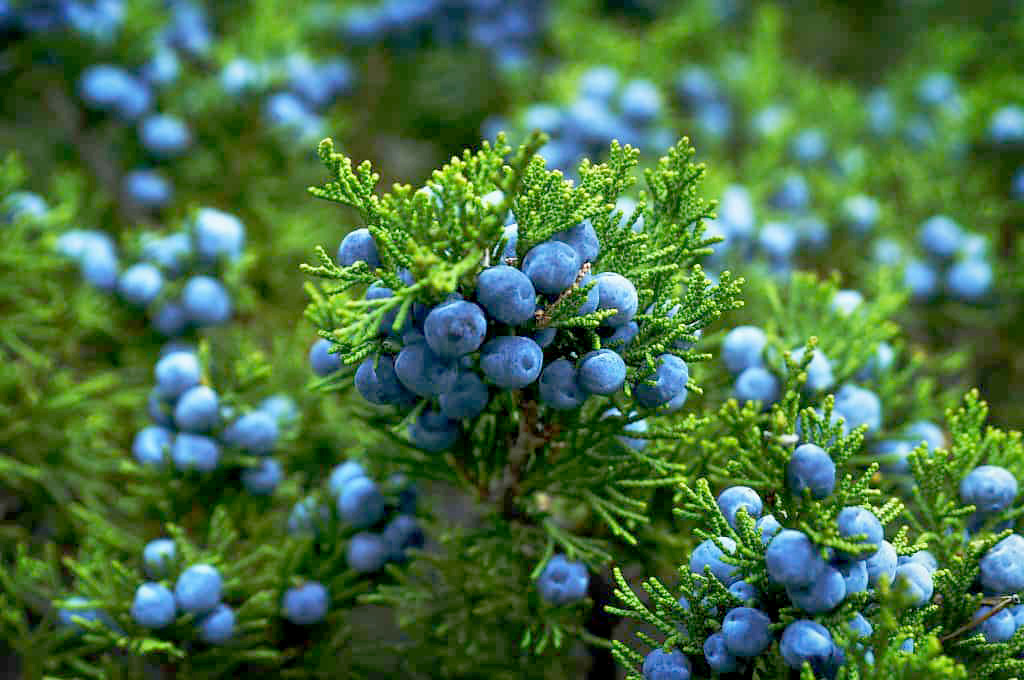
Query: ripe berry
x,y
882,564
969,280
401,533
140,284
563,582
152,444
822,595
819,370
718,656
306,604
735,497
366,552
423,372
194,452
206,301
792,560
511,361
158,556
989,487
433,432
507,294
807,641
360,502
582,238
855,574
768,526
164,135
742,348
358,246
757,384
175,373
263,478
559,388
917,582
670,378
197,410
153,606
1002,567
941,236
601,372
466,399
218,626
746,631
322,360
707,554
811,468
616,292
854,520
197,589
256,432
551,266
455,328
621,339
859,406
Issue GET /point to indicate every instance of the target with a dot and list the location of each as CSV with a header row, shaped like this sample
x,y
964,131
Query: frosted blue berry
x,y
819,370
718,656
306,517
846,301
601,372
75,607
878,363
859,406
593,298
558,387
622,338
206,301
322,360
507,294
551,266
916,582
281,408
822,595
640,102
882,564
669,378
263,478
707,554
757,384
390,317
197,589
164,135
792,195
194,452
792,560
989,487
140,284
366,552
401,533
583,239
809,146
218,234
563,582
510,238
466,399
921,279
599,82
1002,567
256,432
170,319
197,410
854,520
659,665
361,503
1007,125
746,631
742,348
941,236
907,646
152,444
811,468
421,371
158,556
768,526
306,604
148,188
616,292
358,246
744,592
20,204
434,432
455,328
113,89
100,267
807,641
998,627
735,497
922,557
153,606
342,474
778,240
855,575
969,280
927,432
635,427
511,361
218,626
860,213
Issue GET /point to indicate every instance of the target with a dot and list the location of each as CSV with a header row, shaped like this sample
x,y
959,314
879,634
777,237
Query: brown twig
x,y
997,603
